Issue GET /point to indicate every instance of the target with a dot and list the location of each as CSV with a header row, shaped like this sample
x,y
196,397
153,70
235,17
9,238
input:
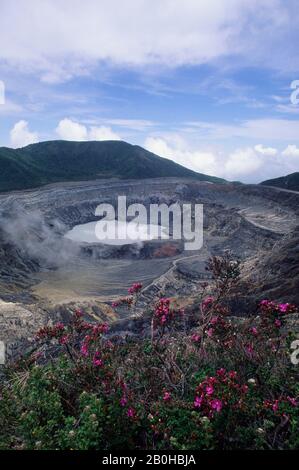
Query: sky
x,y
212,85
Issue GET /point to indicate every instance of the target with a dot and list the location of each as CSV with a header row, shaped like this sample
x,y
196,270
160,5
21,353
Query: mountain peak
x,y
60,160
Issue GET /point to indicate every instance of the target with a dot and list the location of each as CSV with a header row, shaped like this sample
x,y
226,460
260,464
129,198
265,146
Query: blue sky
x,y
207,84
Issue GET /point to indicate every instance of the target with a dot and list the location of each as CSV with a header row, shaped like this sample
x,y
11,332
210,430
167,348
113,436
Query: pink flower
x,y
100,328
167,396
198,402
268,306
84,349
283,307
264,302
254,331
123,385
78,313
275,405
216,405
97,361
207,302
249,349
136,287
162,311
210,332
131,413
195,338
105,327
292,401
209,390
64,339
277,323
123,401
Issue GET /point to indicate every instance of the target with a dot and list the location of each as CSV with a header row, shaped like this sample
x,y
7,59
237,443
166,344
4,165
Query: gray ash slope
x,y
248,219
42,273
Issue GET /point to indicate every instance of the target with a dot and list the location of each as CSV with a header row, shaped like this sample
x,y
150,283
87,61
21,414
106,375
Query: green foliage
x,y
286,182
54,161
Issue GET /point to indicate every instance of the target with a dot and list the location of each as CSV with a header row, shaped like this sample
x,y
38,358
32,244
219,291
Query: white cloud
x,y
291,151
71,130
60,39
68,129
102,133
20,135
133,124
247,164
242,162
175,149
265,150
261,129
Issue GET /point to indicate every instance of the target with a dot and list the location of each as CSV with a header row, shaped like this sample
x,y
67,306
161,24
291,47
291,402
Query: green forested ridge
x,y
54,161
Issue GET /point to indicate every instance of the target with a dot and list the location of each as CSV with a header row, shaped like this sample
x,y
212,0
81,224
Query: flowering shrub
x,y
163,314
135,288
210,383
131,300
221,390
274,314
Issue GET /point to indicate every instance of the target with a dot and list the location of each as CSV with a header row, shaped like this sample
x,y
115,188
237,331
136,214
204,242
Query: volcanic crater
x,y
44,274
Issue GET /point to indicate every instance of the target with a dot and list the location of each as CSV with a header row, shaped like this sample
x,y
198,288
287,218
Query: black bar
x,y
137,459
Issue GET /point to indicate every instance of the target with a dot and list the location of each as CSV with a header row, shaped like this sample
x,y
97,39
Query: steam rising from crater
x,y
36,237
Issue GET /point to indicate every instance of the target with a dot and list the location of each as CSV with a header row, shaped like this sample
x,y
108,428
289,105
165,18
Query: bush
x,y
219,384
